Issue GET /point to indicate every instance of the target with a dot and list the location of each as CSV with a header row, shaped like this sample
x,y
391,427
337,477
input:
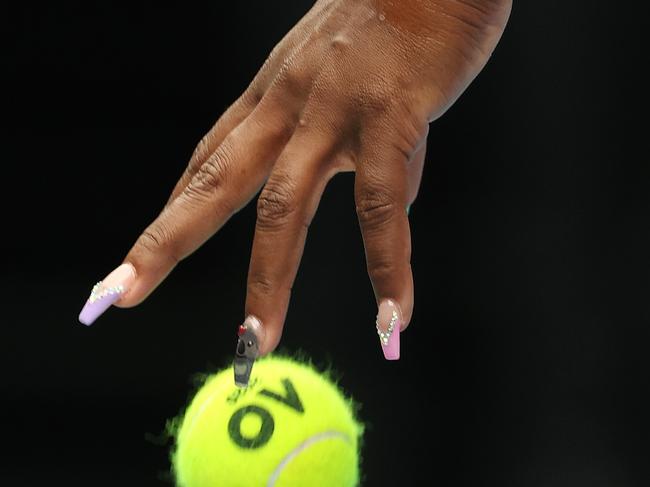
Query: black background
x,y
526,361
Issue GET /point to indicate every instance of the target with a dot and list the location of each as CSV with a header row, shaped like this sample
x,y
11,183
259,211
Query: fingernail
x,y
389,322
250,336
107,292
408,210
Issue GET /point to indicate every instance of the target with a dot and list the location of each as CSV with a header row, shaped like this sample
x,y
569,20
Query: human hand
x,y
352,87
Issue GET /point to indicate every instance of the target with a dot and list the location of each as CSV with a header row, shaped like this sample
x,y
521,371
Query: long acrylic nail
x,y
107,292
250,335
389,322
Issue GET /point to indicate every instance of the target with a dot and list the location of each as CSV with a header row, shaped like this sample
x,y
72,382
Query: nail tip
x,y
86,316
85,321
391,356
92,311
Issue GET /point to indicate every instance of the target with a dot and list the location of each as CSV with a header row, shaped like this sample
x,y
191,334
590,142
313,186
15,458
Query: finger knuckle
x,y
159,239
212,176
260,284
201,151
376,99
277,203
381,269
277,53
295,80
251,96
375,208
340,43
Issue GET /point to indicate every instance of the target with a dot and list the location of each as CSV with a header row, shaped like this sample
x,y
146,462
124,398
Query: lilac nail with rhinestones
x,y
107,292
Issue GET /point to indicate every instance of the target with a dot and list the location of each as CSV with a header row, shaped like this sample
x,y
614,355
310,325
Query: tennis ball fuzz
x,y
290,427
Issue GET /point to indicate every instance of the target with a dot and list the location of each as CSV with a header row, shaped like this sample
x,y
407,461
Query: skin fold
x,y
352,87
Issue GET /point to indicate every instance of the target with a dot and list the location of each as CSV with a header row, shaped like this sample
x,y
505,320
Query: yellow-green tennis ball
x,y
290,427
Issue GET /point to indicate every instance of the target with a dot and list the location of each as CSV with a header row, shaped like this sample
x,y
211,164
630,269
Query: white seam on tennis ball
x,y
326,435
213,396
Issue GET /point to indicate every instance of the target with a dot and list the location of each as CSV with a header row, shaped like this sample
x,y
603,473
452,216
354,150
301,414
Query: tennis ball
x,y
290,427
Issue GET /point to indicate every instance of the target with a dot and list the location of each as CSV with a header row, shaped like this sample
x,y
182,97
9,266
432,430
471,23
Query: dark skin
x,y
352,87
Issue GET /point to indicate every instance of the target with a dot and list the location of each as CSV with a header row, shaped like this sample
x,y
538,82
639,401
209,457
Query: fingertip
x,y
270,339
151,265
268,304
406,301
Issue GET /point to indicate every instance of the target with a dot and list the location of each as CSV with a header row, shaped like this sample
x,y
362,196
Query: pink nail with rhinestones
x,y
389,323
107,292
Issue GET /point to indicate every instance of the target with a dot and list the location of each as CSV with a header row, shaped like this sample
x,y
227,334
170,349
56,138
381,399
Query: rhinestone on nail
x,y
384,336
99,291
